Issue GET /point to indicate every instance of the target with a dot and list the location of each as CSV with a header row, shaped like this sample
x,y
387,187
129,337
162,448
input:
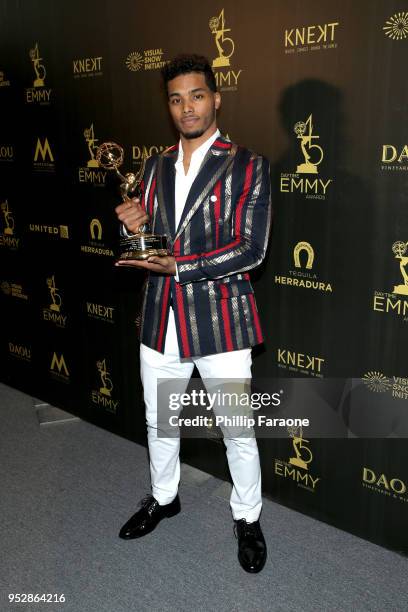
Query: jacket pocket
x,y
234,288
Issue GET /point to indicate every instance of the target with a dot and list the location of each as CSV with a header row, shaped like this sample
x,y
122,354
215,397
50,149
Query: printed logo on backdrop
x,y
54,311
6,153
297,468
396,27
38,93
87,67
395,303
384,484
19,351
7,237
100,312
14,290
320,37
43,158
226,74
104,396
59,231
3,81
307,179
394,386
149,59
91,173
301,363
303,276
394,157
8,219
58,368
141,153
95,245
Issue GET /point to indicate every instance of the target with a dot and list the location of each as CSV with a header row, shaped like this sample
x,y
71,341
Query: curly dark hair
x,y
184,64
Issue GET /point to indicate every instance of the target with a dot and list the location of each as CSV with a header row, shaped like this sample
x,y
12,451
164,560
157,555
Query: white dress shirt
x,y
184,181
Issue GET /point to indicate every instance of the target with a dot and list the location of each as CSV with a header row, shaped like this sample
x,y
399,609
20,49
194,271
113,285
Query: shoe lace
x,y
148,502
249,529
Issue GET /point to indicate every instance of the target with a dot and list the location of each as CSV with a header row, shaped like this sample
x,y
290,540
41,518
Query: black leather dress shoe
x,y
251,545
148,517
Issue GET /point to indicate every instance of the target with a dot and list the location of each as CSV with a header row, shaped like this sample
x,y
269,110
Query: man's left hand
x,y
161,265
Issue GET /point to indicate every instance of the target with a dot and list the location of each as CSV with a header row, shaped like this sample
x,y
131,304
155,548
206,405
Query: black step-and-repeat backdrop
x,y
320,88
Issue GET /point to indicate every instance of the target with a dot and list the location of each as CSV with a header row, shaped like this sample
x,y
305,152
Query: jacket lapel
x,y
219,156
166,178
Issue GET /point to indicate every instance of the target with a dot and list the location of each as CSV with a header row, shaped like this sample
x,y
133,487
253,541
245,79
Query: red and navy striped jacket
x,y
222,234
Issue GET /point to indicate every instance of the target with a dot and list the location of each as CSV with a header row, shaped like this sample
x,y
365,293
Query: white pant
x,y
242,453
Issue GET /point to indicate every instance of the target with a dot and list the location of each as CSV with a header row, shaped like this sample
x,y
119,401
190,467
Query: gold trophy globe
x,y
143,244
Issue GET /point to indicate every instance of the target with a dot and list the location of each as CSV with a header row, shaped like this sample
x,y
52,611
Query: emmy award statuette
x,y
217,27
143,244
399,249
304,132
8,218
303,452
38,68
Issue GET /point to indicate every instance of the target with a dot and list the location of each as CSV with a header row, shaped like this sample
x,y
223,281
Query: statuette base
x,y
143,246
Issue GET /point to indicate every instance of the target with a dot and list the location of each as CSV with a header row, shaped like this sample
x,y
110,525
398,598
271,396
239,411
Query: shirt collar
x,y
202,149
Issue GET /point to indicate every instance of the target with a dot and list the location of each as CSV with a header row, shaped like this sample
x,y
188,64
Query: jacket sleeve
x,y
251,223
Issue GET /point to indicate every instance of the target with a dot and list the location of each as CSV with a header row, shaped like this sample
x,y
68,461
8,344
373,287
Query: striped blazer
x,y
223,233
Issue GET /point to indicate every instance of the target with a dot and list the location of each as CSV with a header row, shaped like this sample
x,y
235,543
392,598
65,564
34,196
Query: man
x,y
212,199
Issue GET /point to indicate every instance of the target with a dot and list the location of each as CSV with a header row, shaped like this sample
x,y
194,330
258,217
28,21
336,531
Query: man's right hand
x,y
132,215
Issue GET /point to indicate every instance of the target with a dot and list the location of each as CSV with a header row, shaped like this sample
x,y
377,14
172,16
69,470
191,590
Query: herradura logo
x,y
227,80
96,246
38,93
391,302
297,467
95,229
91,173
308,249
302,275
313,155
